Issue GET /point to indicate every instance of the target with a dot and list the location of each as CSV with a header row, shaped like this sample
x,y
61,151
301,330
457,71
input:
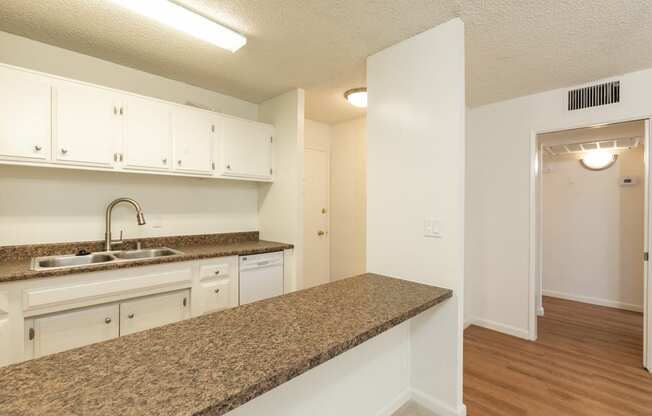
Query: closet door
x,y
147,138
25,113
88,125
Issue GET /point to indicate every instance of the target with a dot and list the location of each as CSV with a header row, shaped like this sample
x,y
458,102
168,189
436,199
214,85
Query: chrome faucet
x,y
108,241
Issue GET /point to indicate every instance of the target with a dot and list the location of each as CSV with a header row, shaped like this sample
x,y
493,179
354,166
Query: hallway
x,y
586,362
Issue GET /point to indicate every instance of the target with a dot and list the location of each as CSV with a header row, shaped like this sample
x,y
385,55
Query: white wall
x,y
348,198
317,136
416,121
50,205
498,178
593,232
280,204
41,205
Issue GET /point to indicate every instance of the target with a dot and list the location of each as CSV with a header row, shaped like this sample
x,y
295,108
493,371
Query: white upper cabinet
x,y
147,134
192,132
246,149
25,112
88,125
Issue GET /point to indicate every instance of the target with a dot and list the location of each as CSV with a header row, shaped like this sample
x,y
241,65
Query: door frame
x,y
535,277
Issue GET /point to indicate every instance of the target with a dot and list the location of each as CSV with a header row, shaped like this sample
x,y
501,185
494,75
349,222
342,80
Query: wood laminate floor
x,y
586,362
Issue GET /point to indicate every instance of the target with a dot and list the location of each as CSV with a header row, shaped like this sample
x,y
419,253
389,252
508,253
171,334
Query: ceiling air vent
x,y
593,96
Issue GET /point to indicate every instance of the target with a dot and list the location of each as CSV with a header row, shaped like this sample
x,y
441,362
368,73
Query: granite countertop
x,y
15,261
214,363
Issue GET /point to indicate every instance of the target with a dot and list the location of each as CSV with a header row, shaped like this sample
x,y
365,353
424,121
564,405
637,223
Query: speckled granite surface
x,y
15,261
214,363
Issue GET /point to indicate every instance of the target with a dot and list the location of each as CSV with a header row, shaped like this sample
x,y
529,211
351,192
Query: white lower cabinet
x,y
152,311
71,329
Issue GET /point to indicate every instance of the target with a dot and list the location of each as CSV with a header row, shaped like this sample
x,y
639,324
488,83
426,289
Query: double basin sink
x,y
72,260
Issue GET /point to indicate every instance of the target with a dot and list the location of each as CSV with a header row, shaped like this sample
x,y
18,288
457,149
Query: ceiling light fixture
x,y
183,20
357,97
598,160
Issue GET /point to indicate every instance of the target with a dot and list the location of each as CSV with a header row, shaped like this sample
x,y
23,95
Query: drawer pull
x,y
185,301
131,316
217,290
107,320
217,272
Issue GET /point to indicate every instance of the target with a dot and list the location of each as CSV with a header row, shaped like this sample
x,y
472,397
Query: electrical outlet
x,y
432,228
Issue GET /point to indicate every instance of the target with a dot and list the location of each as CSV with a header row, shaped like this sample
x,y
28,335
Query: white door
x,y
316,218
247,148
147,134
153,311
25,114
192,132
71,329
647,308
88,125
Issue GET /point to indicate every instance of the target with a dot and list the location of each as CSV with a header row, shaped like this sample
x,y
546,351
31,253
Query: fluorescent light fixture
x,y
598,160
183,20
357,97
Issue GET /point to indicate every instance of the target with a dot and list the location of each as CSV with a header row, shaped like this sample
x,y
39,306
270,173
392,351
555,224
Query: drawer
x,y
216,270
216,294
153,311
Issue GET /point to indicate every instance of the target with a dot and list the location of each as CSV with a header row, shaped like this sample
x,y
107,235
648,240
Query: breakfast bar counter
x,y
212,364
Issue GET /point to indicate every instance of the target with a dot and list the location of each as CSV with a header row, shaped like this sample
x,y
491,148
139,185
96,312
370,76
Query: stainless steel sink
x,y
71,260
53,262
145,254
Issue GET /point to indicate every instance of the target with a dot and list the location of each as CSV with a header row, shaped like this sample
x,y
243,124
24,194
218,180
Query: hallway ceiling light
x,y
598,160
357,97
183,20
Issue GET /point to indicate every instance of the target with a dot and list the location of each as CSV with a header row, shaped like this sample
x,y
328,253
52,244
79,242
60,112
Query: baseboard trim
x,y
505,329
404,397
434,405
594,301
423,400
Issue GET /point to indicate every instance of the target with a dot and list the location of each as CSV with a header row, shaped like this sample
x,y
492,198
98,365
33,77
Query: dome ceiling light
x,y
357,97
598,160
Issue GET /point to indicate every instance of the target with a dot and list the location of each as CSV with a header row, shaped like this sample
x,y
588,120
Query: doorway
x,y
591,191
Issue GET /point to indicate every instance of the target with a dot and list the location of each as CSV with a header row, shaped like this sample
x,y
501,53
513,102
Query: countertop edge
x,y
44,274
283,377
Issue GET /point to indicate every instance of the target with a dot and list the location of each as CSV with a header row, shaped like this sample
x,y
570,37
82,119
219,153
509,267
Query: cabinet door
x,y
192,132
152,311
147,138
88,125
25,114
71,329
246,149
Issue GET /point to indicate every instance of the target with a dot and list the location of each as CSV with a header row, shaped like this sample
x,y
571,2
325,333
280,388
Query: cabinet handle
x,y
217,290
228,167
38,148
107,320
122,111
121,157
115,110
30,334
185,301
165,160
64,150
179,162
213,165
131,316
115,157
217,272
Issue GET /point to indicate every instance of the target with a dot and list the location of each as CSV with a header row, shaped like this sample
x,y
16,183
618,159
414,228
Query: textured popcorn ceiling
x,y
514,47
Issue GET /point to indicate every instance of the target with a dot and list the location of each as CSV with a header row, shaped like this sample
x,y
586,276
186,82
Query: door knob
x,y
320,233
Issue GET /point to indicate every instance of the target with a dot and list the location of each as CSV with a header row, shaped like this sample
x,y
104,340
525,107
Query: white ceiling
x,y
513,47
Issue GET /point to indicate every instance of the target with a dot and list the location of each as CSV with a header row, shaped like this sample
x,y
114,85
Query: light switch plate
x,y
432,228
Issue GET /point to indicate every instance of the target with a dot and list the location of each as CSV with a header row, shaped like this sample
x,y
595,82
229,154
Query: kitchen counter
x,y
15,261
212,364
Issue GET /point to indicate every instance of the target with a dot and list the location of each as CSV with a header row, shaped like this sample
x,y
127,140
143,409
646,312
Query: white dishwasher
x,y
261,276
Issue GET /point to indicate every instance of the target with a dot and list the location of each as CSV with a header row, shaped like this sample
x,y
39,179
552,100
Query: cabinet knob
x,y
217,272
131,316
107,320
320,233
64,150
228,167
165,160
217,290
179,162
38,148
